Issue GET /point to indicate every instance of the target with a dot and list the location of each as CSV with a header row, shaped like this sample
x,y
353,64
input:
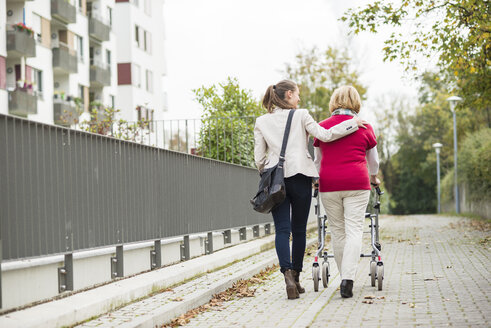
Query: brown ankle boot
x,y
291,288
296,276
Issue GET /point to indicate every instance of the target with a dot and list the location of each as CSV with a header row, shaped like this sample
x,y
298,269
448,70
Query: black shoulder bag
x,y
272,184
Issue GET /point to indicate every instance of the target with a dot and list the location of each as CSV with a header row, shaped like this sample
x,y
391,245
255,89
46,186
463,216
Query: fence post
x,y
117,263
242,234
156,255
65,274
227,236
209,243
185,254
255,231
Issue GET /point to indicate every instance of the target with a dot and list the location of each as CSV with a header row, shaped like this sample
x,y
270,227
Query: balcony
x,y
20,43
100,76
64,61
64,112
22,103
98,29
63,11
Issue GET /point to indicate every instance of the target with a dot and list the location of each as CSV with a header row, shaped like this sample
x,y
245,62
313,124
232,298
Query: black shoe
x,y
347,288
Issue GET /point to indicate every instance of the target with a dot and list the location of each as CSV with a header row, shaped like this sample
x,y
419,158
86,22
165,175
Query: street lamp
x,y
437,147
453,102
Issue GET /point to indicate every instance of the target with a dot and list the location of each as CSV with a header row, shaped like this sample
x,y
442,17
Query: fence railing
x,y
64,190
229,139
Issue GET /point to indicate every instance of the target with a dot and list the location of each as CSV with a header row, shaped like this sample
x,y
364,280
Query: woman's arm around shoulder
x,y
334,133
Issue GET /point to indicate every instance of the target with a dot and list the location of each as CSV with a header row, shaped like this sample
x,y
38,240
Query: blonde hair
x,y
345,97
275,95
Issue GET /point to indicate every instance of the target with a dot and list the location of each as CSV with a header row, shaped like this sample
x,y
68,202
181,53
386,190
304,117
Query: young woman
x,y
291,216
344,182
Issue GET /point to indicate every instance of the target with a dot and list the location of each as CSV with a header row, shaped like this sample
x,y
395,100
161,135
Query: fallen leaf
x,y
411,273
177,299
412,305
368,301
369,297
381,297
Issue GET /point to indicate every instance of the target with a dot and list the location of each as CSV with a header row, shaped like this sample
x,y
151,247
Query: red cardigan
x,y
343,163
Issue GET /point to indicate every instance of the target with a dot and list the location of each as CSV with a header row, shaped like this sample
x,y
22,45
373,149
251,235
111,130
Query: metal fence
x,y
218,138
64,190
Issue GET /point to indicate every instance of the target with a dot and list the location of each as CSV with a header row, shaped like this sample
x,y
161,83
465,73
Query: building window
x,y
137,35
37,78
36,26
81,92
147,42
80,47
110,15
147,7
149,80
108,59
137,75
113,102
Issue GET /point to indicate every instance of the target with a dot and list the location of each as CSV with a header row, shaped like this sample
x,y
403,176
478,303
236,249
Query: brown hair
x,y
345,97
275,95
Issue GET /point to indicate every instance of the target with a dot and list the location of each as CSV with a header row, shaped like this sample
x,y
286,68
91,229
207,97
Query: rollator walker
x,y
376,264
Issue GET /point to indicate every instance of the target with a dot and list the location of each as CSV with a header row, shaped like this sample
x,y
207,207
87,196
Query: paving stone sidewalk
x,y
437,274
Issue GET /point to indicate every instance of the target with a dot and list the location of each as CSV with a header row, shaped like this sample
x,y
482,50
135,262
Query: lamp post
x,y
453,102
437,147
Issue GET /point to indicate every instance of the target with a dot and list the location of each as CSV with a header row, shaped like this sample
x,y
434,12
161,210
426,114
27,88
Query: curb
x,y
82,306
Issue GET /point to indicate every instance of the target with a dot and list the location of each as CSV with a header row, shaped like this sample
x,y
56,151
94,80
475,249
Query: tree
x,y
228,119
318,74
409,168
456,32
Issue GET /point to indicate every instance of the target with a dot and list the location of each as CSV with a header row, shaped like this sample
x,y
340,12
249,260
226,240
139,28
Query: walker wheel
x,y
380,276
315,277
373,272
325,274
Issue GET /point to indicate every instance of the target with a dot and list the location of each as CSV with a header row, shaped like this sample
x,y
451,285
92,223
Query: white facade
x,y
139,26
73,65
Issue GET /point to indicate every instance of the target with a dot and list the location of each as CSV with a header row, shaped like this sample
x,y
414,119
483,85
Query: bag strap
x,y
285,137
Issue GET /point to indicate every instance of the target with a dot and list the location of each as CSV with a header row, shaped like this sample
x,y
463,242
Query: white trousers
x,y
346,213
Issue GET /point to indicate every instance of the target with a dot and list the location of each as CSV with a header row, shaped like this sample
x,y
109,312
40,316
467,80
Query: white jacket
x,y
268,138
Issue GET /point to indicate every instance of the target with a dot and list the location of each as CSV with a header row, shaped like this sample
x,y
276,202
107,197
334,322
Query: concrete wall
x,y
480,207
32,280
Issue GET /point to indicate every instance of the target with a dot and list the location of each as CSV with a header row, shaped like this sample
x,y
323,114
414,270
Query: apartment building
x,y
139,28
57,58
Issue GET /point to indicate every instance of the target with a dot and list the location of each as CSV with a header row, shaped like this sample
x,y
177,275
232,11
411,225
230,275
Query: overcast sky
x,y
208,40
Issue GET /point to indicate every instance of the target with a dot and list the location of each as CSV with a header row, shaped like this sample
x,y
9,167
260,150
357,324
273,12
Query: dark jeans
x,y
291,217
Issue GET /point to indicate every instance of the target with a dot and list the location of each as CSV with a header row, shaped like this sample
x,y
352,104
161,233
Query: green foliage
x,y
457,33
103,121
474,164
228,119
409,170
318,74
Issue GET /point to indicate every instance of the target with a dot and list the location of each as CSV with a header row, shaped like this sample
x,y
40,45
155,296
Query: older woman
x,y
344,182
